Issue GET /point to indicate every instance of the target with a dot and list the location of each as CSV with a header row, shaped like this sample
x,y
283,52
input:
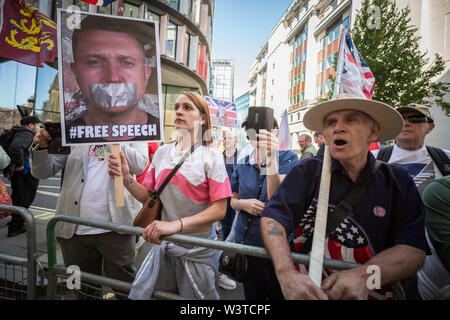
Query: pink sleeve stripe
x,y
149,180
197,193
219,190
206,192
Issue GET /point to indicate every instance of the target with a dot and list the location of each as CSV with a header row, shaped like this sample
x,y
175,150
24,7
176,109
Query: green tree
x,y
388,41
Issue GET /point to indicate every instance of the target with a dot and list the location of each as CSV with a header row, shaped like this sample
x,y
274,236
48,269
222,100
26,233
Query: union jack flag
x,y
223,113
353,74
347,243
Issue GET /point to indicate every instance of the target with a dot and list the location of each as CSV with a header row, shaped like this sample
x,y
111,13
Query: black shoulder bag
x,y
236,264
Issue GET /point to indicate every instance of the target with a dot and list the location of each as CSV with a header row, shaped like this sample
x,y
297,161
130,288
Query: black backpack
x,y
6,138
439,157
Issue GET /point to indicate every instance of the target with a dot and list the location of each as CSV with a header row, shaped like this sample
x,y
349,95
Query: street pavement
x,y
43,209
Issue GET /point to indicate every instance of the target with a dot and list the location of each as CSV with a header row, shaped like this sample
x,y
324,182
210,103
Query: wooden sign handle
x,y
118,180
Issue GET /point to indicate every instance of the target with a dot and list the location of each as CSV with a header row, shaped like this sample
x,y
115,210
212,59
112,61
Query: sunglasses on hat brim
x,y
417,119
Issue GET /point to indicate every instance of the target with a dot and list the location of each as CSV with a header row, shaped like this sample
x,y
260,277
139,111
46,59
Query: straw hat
x,y
390,121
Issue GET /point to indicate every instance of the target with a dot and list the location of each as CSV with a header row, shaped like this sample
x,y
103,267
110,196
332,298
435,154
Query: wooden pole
x,y
118,180
320,226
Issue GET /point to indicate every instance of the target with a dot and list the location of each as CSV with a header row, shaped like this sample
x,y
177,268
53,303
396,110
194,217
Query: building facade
x,y
242,105
221,83
185,28
307,38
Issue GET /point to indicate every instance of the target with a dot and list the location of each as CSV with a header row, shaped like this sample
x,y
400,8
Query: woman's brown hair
x,y
202,105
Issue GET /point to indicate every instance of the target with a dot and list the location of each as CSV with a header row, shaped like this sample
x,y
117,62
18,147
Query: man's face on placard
x,y
105,57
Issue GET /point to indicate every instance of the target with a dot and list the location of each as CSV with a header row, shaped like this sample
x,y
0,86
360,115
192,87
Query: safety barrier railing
x,y
30,261
54,268
444,293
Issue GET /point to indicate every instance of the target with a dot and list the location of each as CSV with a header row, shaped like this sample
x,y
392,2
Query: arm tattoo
x,y
127,183
275,229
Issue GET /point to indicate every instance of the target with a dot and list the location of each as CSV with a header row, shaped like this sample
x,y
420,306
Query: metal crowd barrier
x,y
444,293
55,268
30,261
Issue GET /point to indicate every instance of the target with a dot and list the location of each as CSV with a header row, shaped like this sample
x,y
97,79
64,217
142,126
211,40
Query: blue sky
x,y
240,28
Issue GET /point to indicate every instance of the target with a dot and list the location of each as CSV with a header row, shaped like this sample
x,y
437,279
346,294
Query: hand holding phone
x,y
55,145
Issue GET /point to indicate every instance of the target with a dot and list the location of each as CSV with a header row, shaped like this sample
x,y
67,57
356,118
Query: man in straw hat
x,y
382,228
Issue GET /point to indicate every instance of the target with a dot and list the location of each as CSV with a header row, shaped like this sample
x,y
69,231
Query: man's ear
x,y
73,69
374,133
430,127
147,73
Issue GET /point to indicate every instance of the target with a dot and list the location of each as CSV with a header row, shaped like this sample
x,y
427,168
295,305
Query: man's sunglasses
x,y
416,119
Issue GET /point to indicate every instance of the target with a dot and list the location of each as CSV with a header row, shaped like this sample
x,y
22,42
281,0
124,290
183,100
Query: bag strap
x,y
155,195
384,154
252,216
344,208
440,159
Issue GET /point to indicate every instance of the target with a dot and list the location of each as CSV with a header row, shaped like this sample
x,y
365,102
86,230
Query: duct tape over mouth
x,y
112,95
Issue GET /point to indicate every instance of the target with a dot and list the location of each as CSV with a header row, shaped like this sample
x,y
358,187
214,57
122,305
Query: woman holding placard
x,y
194,198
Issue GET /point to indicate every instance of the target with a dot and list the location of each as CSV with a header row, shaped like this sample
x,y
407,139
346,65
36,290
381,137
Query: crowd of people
x,y
262,196
266,197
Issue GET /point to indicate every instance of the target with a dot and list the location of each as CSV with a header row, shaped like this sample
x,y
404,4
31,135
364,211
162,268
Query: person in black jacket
x,y
23,184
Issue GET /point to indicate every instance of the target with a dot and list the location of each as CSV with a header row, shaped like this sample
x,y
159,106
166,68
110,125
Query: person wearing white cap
x,y
424,163
381,228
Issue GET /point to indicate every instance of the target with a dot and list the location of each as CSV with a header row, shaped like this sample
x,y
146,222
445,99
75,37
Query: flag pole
x,y
337,82
320,225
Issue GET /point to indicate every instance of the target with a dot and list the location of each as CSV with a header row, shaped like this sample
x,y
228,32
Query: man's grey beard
x,y
112,95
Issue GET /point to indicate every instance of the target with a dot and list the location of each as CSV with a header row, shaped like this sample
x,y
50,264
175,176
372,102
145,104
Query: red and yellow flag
x,y
26,34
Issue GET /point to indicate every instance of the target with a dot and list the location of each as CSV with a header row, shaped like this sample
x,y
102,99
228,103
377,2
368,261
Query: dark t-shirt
x,y
248,182
389,213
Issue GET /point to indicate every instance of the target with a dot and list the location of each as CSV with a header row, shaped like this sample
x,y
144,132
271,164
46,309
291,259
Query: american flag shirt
x,y
390,212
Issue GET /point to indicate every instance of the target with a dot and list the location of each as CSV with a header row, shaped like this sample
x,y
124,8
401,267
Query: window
x,y
334,5
47,91
105,10
329,62
298,116
271,98
273,66
273,82
336,32
174,4
151,16
83,5
171,40
12,73
189,10
345,22
130,10
187,44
